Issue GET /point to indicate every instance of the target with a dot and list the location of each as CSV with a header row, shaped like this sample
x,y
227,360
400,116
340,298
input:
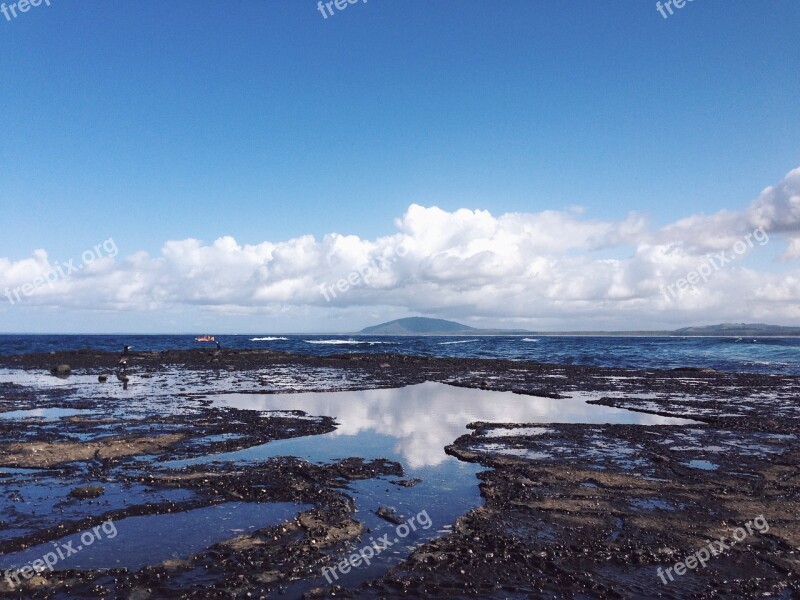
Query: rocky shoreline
x,y
570,510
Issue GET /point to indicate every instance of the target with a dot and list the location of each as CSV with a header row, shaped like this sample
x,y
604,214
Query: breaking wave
x,y
347,342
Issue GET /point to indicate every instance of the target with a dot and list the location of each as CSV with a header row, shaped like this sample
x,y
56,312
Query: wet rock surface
x,y
570,510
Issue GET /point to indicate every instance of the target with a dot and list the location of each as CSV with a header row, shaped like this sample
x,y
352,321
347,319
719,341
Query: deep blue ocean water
x,y
759,355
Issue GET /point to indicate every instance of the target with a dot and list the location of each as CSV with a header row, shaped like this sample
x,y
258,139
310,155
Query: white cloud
x,y
547,268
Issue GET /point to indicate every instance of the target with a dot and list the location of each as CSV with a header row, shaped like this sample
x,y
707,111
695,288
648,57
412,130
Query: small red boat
x,y
205,338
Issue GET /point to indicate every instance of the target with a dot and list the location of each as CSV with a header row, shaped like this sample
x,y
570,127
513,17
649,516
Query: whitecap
x,y
334,342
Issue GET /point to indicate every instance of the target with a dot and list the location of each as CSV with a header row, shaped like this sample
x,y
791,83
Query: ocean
x,y
752,355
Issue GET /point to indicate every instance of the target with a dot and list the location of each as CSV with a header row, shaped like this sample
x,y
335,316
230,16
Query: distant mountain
x,y
419,326
740,330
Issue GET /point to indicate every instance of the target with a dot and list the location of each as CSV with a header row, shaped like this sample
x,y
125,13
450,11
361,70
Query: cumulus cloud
x,y
526,268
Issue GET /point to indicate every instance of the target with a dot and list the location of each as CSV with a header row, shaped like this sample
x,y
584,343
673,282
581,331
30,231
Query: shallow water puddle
x,y
135,542
501,432
36,502
652,504
20,470
411,425
448,489
704,465
47,414
422,419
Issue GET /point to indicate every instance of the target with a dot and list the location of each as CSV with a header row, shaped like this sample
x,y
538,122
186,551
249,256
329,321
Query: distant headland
x,y
428,326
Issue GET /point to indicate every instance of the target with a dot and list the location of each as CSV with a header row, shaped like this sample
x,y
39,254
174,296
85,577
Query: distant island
x,y
427,326
418,326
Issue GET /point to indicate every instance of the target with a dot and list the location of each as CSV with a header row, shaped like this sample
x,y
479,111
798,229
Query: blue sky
x,y
261,120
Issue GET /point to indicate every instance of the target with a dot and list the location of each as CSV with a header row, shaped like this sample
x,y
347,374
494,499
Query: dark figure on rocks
x,y
61,371
123,377
123,359
122,366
